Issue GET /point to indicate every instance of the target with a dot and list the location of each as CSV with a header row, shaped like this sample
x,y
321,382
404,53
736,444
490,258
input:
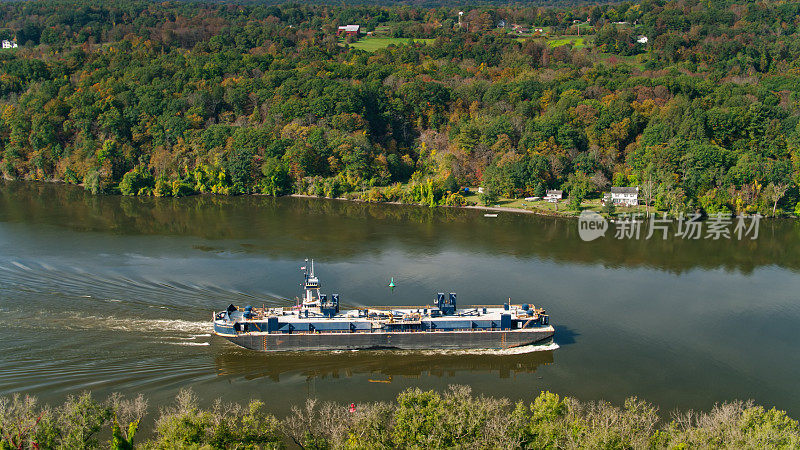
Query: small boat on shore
x,y
316,323
490,215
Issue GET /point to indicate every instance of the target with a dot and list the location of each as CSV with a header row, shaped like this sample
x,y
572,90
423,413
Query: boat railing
x,y
455,330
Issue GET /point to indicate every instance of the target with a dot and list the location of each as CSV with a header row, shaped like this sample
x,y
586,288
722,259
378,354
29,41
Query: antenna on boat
x,y
305,281
311,294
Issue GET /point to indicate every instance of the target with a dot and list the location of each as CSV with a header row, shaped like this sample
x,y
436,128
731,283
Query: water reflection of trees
x,y
339,229
382,365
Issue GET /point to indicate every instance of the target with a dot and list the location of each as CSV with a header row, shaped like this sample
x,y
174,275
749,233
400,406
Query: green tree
x,y
276,180
578,187
491,191
136,180
608,206
539,190
418,414
450,184
120,441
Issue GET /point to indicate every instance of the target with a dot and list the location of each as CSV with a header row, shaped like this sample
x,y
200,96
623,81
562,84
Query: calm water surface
x,y
114,294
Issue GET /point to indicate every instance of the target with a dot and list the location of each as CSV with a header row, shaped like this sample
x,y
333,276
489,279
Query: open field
x,y
371,44
576,41
557,41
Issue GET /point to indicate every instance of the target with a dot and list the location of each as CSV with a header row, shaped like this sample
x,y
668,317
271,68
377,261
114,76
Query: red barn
x,y
348,30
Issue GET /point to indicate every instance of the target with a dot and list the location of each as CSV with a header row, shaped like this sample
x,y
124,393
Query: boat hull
x,y
447,340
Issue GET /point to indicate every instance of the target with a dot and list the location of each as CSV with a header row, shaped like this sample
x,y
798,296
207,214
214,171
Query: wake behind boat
x,y
316,323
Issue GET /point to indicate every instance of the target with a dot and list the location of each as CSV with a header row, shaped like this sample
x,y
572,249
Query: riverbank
x,y
416,419
476,207
517,206
509,209
540,207
507,205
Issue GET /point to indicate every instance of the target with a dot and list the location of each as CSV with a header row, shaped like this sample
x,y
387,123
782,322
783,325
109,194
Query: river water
x,y
115,294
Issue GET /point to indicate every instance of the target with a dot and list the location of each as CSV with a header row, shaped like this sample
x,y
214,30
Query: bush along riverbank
x,y
417,419
432,192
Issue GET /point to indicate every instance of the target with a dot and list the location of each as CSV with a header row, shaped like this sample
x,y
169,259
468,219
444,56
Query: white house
x,y
553,196
642,39
9,44
625,196
519,29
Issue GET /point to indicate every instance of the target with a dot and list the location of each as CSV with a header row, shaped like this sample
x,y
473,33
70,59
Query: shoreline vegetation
x,y
519,206
697,104
507,205
455,418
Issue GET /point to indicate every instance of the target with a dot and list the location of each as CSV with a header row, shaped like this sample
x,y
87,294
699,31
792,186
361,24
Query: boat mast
x,y
310,287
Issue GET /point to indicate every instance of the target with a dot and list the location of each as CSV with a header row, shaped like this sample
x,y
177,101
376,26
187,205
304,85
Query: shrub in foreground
x,y
417,419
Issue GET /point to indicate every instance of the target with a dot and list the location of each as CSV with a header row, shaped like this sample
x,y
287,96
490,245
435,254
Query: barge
x,y
316,323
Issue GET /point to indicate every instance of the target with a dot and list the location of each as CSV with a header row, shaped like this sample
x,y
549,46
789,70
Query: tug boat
x,y
315,323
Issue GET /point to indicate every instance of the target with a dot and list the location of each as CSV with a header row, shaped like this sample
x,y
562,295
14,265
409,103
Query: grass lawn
x,y
520,203
562,208
576,41
370,44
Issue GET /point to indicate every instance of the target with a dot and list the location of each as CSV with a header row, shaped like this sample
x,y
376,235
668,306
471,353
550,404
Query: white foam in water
x,y
521,350
152,325
172,325
190,344
477,351
528,349
20,265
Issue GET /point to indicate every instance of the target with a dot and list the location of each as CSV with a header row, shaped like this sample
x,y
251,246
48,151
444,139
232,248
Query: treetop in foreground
x,y
454,418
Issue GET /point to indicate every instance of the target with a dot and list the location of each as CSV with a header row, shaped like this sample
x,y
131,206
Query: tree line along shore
x,y
455,418
697,103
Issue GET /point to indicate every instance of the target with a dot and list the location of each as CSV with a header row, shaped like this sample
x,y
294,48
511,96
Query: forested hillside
x,y
175,98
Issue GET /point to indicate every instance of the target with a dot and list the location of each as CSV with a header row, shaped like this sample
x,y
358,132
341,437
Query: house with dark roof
x,y
553,196
624,196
